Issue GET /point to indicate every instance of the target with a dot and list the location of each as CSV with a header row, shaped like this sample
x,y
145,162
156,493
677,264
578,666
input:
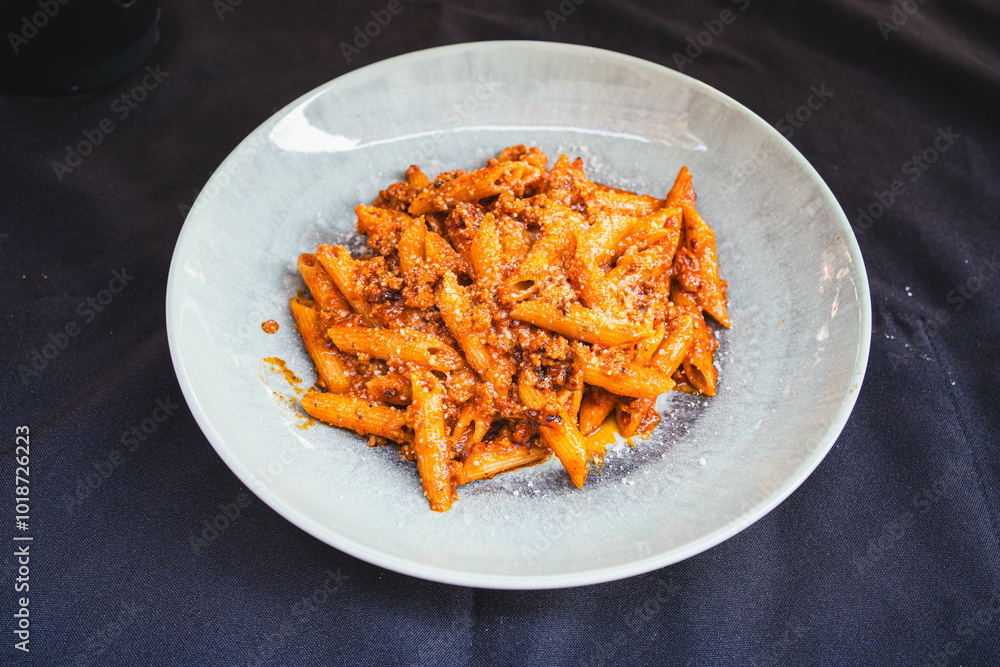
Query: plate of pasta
x,y
518,315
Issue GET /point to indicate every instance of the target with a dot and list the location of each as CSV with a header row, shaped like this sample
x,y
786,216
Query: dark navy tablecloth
x,y
887,555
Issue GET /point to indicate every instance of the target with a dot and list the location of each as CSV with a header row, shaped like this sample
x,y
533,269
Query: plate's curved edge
x,y
537,582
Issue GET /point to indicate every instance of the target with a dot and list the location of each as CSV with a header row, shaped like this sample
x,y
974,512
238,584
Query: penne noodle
x,y
442,257
391,388
646,265
597,244
403,344
618,202
334,373
487,254
321,286
521,152
562,186
572,400
597,404
382,226
491,364
430,439
343,269
673,349
637,417
556,428
416,178
699,241
418,274
682,191
594,247
363,417
475,185
487,461
663,224
598,198
697,363
472,426
621,377
411,250
646,346
579,323
545,257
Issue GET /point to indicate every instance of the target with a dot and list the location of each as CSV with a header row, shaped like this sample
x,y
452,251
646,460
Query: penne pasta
x,y
474,422
636,417
618,202
646,346
564,183
599,198
475,185
416,178
545,257
411,250
430,439
697,362
532,155
442,257
359,415
579,323
699,242
620,376
646,265
594,247
682,191
382,226
572,399
321,286
343,269
403,344
417,272
486,461
487,254
662,225
595,407
334,373
671,352
556,428
506,312
491,364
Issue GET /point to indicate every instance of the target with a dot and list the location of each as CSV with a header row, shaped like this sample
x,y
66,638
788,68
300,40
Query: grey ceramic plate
x,y
790,368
